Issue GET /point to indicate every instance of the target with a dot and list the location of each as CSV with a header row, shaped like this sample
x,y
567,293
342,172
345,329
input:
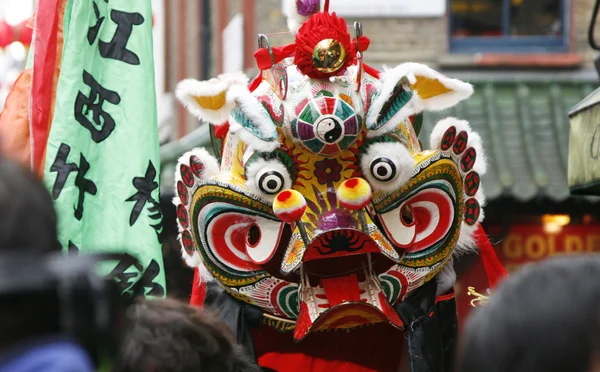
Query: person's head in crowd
x,y
27,220
57,314
170,336
27,223
40,320
544,318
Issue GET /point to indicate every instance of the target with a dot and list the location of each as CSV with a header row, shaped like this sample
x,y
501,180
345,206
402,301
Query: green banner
x,y
102,160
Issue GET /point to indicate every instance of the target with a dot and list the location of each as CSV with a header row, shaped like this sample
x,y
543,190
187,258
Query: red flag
x,y
46,65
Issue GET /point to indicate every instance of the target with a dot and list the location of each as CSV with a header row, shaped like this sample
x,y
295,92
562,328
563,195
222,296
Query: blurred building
x,y
529,61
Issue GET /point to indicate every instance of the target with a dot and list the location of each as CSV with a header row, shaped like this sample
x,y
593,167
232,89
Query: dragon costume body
x,y
322,230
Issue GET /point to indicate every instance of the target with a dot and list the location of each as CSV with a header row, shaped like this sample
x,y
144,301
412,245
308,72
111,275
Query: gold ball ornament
x,y
329,55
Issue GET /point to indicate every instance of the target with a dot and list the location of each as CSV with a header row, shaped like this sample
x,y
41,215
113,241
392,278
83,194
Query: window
x,y
530,26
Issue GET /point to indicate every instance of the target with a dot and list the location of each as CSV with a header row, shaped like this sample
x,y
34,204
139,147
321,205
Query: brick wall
x,y
398,40
582,13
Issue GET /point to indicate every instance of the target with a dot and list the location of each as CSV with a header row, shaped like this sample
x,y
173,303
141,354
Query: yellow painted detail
x,y
212,102
428,88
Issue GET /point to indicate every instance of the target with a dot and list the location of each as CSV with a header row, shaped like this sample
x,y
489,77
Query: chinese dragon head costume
x,y
322,212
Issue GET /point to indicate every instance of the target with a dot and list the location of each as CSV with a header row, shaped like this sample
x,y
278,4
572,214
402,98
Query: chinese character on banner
x,y
63,169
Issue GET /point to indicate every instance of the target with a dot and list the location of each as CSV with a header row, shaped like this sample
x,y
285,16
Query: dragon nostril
x,y
406,215
253,236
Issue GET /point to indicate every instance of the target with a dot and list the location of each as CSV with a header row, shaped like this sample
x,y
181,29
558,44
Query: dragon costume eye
x,y
387,165
383,169
270,182
267,177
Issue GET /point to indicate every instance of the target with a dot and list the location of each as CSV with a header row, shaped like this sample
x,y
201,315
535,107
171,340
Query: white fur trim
x,y
211,165
192,261
205,274
260,166
195,261
188,89
474,140
390,78
466,243
398,154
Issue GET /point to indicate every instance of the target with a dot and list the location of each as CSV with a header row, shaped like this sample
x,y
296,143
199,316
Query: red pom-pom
x,y
319,27
363,43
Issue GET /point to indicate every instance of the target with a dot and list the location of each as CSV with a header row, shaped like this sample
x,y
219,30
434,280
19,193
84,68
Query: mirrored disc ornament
x,y
327,126
329,55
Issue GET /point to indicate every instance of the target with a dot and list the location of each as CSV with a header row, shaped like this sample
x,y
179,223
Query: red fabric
x,y
493,268
264,60
44,63
319,27
198,290
331,351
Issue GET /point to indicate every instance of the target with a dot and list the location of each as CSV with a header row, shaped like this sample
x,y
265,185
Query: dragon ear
x,y
409,89
208,100
227,98
250,118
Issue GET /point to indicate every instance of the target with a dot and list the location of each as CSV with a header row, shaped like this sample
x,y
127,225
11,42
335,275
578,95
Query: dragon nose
x,y
354,194
289,206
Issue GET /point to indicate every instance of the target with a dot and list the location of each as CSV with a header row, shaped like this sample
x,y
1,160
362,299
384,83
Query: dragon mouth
x,y
343,293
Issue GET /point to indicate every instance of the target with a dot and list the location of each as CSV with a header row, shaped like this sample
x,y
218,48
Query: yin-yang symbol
x,y
329,129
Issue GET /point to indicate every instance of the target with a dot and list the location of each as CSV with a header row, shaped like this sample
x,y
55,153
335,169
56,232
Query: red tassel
x,y
493,268
256,82
371,71
198,290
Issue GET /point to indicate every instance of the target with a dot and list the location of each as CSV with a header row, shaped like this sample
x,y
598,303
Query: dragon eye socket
x,y
270,182
387,166
383,169
267,177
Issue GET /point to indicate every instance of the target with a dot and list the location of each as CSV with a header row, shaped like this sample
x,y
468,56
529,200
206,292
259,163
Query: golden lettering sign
x,y
533,247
